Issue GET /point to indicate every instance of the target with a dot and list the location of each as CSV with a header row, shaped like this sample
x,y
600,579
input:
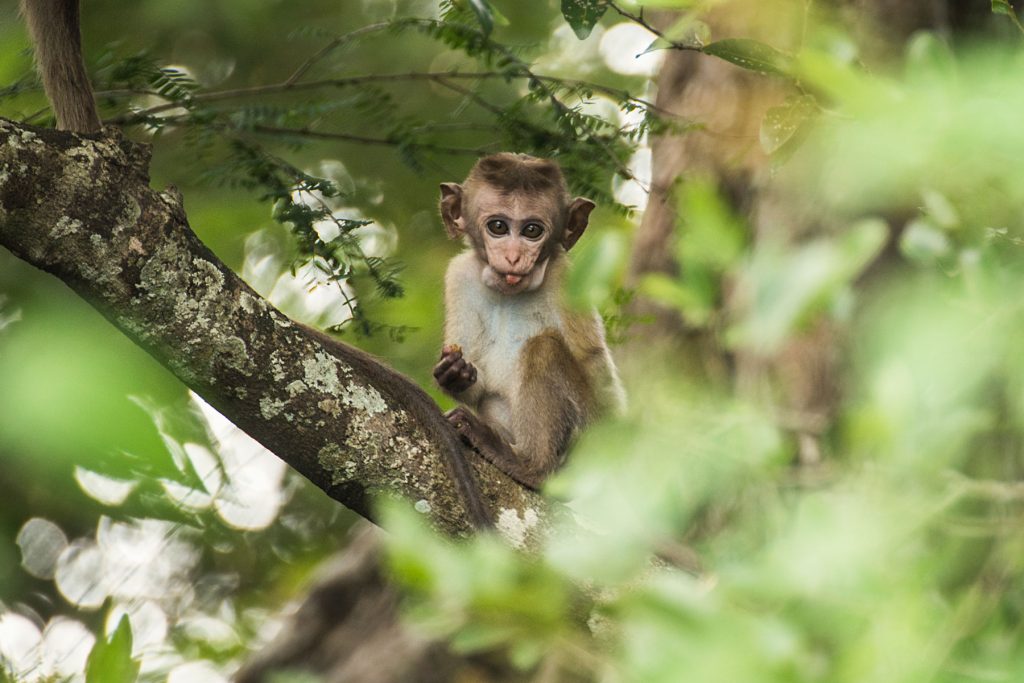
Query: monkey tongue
x,y
513,279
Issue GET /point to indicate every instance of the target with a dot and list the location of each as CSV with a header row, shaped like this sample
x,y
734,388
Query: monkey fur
x,y
530,372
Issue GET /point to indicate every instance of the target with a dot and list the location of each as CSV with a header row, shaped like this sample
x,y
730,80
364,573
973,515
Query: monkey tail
x,y
463,475
54,28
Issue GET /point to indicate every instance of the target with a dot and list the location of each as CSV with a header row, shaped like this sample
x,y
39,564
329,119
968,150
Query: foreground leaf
x,y
111,659
780,124
583,15
750,54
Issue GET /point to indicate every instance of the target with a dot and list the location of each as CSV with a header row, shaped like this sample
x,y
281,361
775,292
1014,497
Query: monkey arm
x,y
585,338
553,403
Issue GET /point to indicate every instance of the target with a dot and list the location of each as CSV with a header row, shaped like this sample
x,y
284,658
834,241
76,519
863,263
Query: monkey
x,y
54,28
529,371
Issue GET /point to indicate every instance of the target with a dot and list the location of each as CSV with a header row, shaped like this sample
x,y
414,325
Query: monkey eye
x,y
497,227
532,231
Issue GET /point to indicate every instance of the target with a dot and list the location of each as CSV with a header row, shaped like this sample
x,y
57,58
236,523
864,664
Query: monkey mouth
x,y
514,283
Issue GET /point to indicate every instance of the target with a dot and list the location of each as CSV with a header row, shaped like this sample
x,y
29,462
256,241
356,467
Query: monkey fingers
x,y
454,373
448,356
468,427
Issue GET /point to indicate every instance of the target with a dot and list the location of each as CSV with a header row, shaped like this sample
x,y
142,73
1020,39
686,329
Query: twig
x,y
436,76
361,139
639,19
475,97
331,46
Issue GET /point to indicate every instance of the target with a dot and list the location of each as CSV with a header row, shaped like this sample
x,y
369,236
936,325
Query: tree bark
x,y
80,207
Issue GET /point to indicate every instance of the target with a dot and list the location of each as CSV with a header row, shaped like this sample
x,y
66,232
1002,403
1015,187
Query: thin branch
x,y
435,76
639,19
475,97
330,47
362,139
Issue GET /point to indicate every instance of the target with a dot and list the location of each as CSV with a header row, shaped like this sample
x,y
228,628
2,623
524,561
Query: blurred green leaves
x,y
111,659
783,287
711,240
898,559
782,124
479,594
596,263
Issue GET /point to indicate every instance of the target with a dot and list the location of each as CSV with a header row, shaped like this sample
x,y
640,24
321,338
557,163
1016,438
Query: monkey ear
x,y
576,221
451,209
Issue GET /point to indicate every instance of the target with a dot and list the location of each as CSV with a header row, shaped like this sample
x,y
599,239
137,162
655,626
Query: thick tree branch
x,y
80,207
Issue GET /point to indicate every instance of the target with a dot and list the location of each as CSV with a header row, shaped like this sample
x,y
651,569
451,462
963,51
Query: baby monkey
x,y
530,371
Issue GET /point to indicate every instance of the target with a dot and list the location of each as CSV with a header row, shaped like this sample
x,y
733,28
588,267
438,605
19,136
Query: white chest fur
x,y
492,329
504,324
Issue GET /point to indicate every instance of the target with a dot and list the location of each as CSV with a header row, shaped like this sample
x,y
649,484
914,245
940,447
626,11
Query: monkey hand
x,y
454,373
469,428
483,439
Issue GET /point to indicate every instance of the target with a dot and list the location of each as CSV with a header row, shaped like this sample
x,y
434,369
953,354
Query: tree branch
x,y
80,207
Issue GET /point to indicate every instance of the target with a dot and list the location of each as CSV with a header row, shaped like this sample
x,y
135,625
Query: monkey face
x,y
516,216
516,233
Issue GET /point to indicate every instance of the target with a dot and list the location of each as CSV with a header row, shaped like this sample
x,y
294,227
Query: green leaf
x,y
583,15
788,286
526,653
593,268
657,44
694,303
475,637
711,236
689,31
928,55
750,54
484,14
924,243
939,209
111,659
780,124
1002,7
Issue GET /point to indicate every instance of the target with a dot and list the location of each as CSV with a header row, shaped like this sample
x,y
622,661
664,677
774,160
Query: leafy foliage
x,y
895,559
111,660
